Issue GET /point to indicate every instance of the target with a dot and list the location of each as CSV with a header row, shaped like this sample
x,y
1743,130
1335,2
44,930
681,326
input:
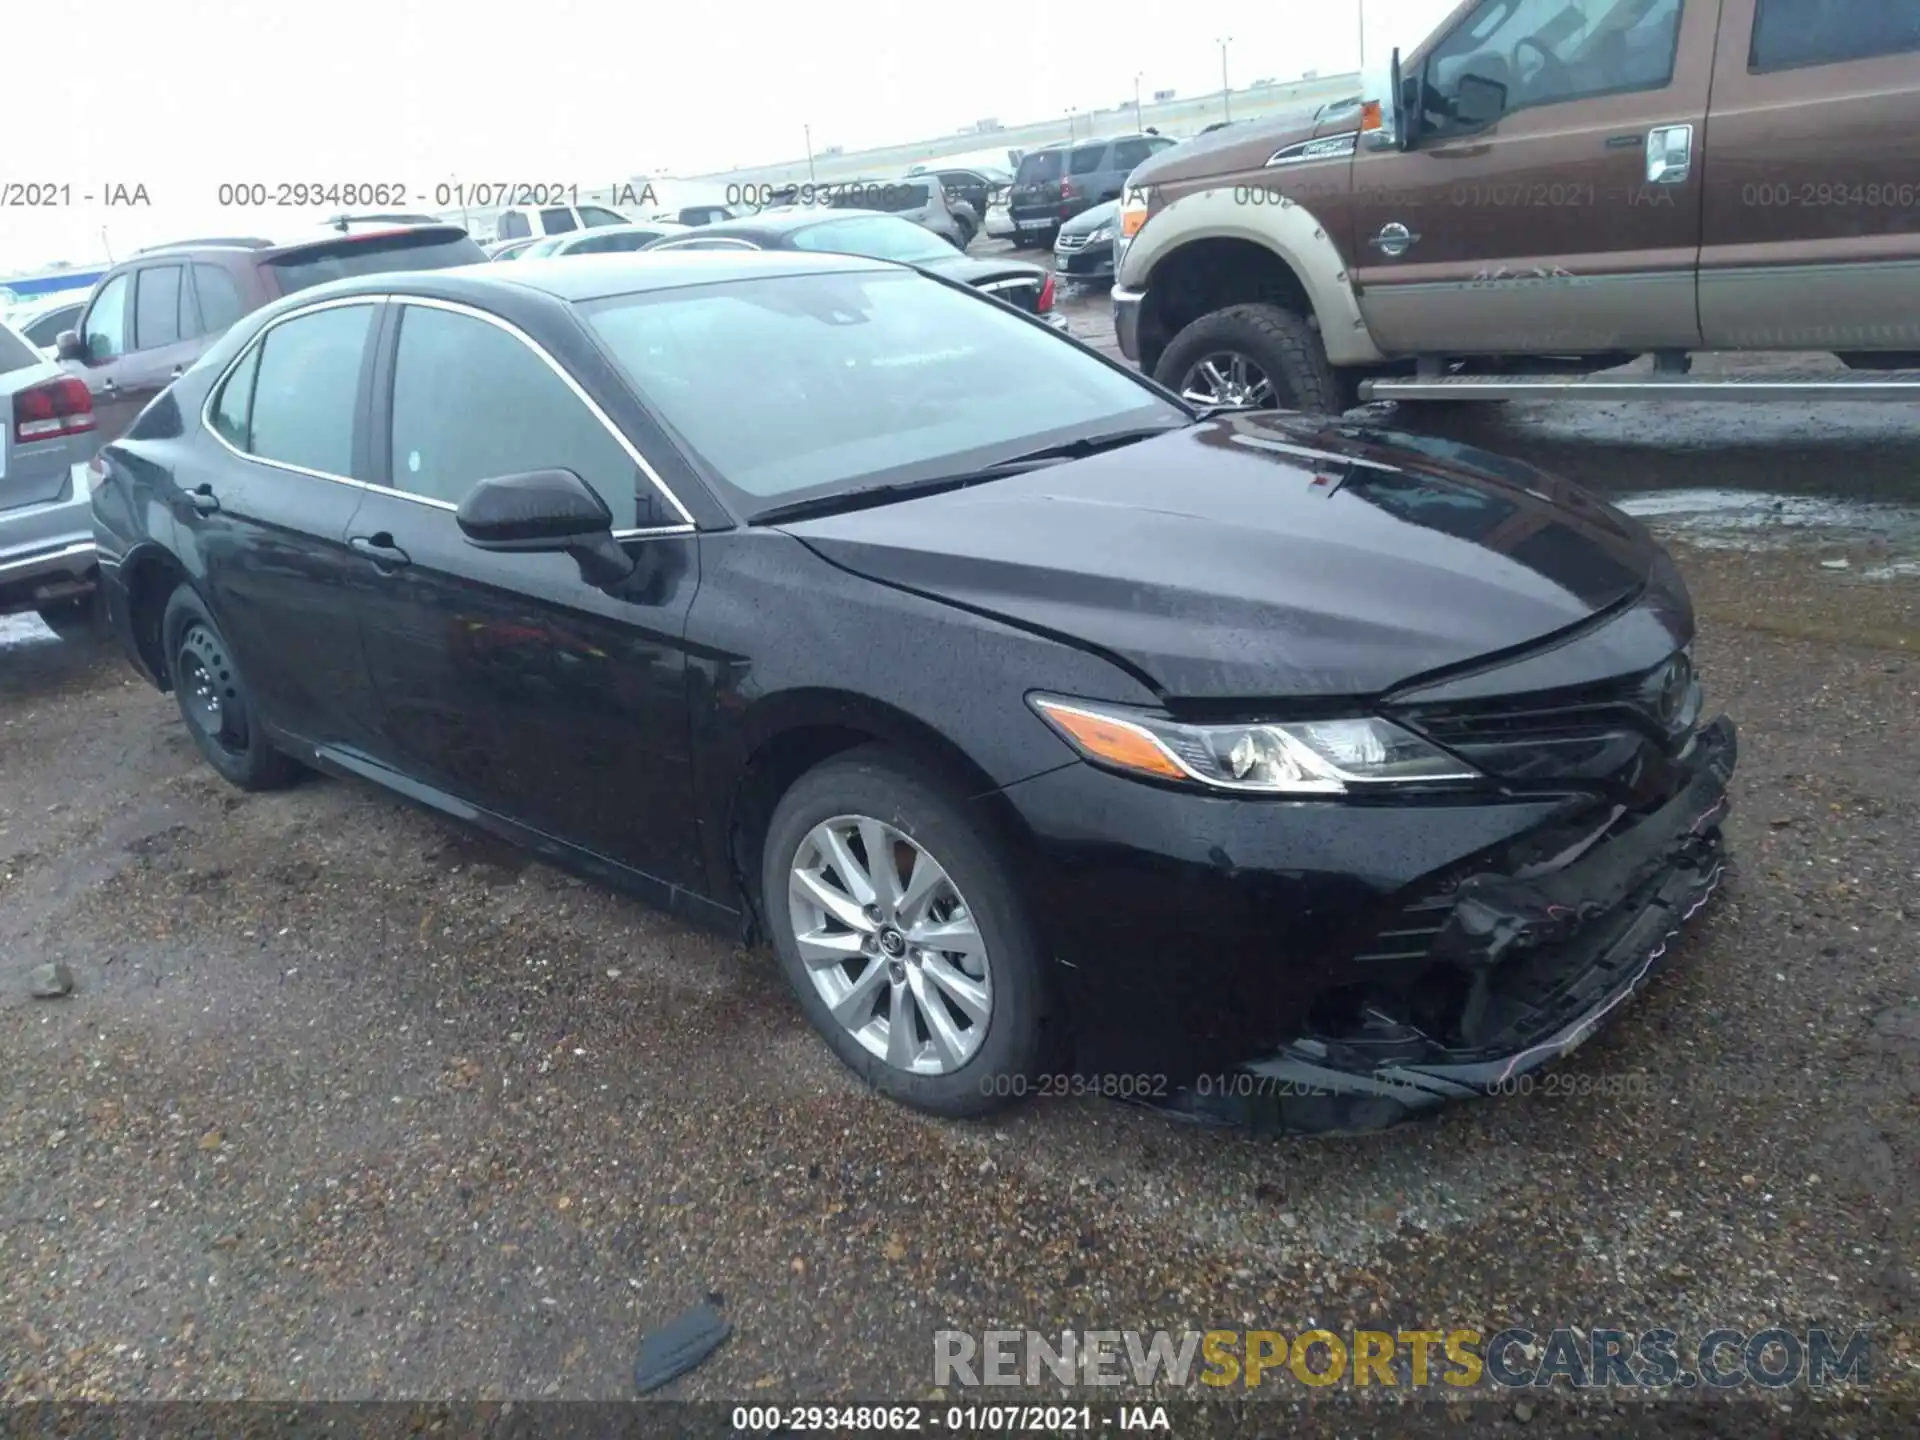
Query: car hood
x,y
1088,221
1263,556
1247,146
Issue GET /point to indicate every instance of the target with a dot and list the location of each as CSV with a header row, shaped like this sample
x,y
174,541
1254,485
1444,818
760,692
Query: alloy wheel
x,y
210,691
890,944
1226,377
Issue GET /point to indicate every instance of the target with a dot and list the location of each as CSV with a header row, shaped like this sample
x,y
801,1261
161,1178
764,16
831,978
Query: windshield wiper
x,y
865,495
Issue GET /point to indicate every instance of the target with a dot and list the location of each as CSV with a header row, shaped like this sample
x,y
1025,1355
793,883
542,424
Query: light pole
x,y
1361,7
1226,90
1071,112
1139,124
809,130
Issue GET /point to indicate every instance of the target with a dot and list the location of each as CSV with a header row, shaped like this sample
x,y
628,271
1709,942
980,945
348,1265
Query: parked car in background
x,y
41,325
1304,772
998,221
523,222
919,198
1056,182
604,240
1532,200
878,236
976,188
509,249
152,316
46,519
1083,250
709,213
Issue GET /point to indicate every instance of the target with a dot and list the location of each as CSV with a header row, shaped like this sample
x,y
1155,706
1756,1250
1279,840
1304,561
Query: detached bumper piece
x,y
1521,972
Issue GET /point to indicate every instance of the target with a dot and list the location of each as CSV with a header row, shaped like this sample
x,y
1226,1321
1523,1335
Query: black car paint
x,y
1081,260
631,734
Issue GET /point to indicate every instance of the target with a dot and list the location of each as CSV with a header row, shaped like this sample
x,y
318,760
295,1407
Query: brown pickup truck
x,y
1545,191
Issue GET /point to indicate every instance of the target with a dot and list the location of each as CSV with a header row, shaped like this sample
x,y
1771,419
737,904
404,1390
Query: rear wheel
x,y
1256,357
213,699
899,927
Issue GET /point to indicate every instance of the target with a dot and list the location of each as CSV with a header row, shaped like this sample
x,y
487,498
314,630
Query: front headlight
x,y
1306,757
1105,232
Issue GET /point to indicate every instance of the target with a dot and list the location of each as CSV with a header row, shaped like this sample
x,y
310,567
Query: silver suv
x,y
46,513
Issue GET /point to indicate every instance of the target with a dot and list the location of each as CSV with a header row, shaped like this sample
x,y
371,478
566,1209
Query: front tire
x,y
1257,357
214,700
899,927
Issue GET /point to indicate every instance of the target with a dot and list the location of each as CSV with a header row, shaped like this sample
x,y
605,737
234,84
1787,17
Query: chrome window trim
x,y
456,307
220,384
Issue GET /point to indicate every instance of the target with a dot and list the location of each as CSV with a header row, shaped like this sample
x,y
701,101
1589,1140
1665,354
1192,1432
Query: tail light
x,y
1066,190
46,412
1044,304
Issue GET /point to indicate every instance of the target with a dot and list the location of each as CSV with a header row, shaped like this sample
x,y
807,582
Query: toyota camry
x,y
1261,767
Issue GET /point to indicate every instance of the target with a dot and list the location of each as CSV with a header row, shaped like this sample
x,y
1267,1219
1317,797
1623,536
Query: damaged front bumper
x,y
1541,963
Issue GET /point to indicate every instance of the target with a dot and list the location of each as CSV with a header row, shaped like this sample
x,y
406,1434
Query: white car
x,y
998,221
519,222
603,239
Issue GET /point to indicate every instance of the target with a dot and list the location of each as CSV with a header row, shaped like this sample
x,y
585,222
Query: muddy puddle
x,y
1720,519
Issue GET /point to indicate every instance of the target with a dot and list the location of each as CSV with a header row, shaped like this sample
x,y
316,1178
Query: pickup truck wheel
x,y
1257,357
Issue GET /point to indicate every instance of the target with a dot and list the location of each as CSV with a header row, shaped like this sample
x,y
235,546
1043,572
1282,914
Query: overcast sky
x,y
179,98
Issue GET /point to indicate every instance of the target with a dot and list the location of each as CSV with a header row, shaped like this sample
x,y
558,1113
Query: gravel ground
x,y
349,1103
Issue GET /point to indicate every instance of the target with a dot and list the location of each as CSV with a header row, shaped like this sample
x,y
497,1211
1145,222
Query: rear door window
x,y
308,390
557,221
156,307
1790,33
1129,153
105,335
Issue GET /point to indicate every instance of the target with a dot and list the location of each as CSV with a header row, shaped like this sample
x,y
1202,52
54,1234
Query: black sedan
x,y
1083,249
878,237
1257,765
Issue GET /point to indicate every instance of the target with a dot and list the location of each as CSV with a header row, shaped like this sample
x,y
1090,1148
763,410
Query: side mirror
x,y
550,511
1479,101
67,346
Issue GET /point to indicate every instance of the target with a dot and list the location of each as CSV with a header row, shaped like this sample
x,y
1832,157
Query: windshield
x,y
423,249
879,237
858,378
544,247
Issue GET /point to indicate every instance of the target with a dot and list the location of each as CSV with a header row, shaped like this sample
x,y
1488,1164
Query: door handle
x,y
176,373
1669,154
108,386
380,549
203,500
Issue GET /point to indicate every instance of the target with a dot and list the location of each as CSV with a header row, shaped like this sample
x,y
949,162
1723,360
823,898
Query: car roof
x,y
593,277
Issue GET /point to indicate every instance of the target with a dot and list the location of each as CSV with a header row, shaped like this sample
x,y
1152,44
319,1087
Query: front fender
x,y
1285,228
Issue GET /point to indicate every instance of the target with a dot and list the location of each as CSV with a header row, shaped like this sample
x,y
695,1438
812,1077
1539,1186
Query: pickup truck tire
x,y
1283,347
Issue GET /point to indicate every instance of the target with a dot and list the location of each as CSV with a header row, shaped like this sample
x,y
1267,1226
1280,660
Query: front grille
x,y
1065,242
1616,729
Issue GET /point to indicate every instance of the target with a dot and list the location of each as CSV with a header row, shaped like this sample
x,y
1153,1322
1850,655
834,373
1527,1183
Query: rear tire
x,y
1274,346
214,700
955,1028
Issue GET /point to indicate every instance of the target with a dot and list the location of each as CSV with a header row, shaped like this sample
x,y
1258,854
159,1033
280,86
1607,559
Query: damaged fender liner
x,y
1581,939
